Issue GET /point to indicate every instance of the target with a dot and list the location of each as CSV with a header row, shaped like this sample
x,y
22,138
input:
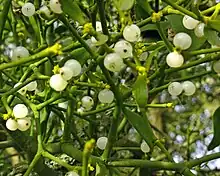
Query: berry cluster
x,y
71,68
21,121
176,88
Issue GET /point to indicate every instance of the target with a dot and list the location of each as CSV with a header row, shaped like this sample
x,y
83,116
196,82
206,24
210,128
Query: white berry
x,y
11,124
199,30
66,73
32,86
106,96
74,65
131,33
174,59
28,9
20,111
189,22
182,40
175,88
189,88
87,102
123,48
57,82
19,52
101,142
24,123
55,6
98,26
145,147
216,66
22,90
113,62
71,173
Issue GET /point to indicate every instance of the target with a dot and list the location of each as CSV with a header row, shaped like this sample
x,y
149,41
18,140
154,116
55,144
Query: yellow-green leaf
x,y
140,91
142,125
71,8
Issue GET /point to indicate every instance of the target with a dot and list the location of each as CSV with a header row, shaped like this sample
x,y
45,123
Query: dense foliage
x,y
114,87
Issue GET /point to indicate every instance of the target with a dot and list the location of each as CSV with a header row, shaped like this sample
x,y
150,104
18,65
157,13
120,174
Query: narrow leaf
x,y
142,125
124,5
212,36
214,24
216,123
140,91
72,9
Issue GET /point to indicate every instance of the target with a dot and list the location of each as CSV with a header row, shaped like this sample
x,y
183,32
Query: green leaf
x,y
216,123
164,24
72,9
145,5
101,39
124,5
214,24
140,91
101,170
177,25
142,125
212,36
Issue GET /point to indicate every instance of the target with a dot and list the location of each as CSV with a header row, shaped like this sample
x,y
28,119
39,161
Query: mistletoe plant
x,y
79,81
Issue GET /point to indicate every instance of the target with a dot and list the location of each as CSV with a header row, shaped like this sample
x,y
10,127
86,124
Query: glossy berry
x,y
123,49
175,88
20,111
74,66
189,88
113,62
145,147
22,90
28,9
11,124
174,59
216,66
24,123
189,22
199,30
19,52
132,33
32,86
66,73
87,102
182,40
71,173
106,96
55,6
57,82
101,142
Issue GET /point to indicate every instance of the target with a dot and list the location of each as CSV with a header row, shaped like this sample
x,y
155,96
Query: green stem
x,y
204,51
33,163
101,7
67,127
49,101
181,9
194,63
78,37
41,54
3,16
164,38
6,144
60,162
